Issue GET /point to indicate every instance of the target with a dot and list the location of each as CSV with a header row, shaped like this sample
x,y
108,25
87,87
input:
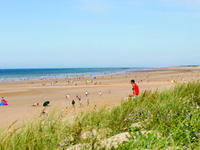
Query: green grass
x,y
172,118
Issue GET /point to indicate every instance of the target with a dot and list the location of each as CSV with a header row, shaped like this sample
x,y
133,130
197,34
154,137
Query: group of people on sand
x,y
73,102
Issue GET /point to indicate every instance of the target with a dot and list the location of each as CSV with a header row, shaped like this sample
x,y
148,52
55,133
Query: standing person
x,y
73,103
68,98
87,99
80,101
86,93
135,89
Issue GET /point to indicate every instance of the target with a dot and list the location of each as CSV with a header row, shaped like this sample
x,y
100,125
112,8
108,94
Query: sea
x,y
9,75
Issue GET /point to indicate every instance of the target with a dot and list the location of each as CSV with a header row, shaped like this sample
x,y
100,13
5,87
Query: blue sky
x,y
99,33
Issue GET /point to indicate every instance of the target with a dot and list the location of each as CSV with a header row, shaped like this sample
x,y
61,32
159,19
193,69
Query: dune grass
x,y
168,119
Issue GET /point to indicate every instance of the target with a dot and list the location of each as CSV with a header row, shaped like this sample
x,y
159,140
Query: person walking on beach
x,y
79,99
135,89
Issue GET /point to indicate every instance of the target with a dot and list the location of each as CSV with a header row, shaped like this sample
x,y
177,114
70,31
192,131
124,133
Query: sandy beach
x,y
21,95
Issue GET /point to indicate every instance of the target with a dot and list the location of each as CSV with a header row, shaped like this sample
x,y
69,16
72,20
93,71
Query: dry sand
x,y
21,95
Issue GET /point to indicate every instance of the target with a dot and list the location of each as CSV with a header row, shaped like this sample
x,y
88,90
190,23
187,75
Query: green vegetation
x,y
165,120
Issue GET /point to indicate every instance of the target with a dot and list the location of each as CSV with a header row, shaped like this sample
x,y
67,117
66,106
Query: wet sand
x,y
21,95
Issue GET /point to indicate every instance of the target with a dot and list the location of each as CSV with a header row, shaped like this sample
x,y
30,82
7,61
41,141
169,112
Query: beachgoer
x,y
78,97
35,104
73,103
44,112
135,89
80,101
68,98
86,93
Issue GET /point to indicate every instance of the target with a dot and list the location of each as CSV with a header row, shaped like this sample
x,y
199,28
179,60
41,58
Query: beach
x,y
113,88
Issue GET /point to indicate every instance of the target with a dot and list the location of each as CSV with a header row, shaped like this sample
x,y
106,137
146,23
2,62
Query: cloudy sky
x,y
99,33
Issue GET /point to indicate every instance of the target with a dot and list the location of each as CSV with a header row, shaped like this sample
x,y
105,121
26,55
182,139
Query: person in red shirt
x,y
135,89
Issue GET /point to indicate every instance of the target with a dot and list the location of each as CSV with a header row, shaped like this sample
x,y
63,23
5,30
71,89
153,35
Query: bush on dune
x,y
166,119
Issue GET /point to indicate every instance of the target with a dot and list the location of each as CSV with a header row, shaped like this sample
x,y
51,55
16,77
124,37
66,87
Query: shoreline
x,y
81,75
70,75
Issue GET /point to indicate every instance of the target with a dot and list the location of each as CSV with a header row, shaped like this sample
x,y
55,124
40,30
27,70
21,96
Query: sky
x,y
99,33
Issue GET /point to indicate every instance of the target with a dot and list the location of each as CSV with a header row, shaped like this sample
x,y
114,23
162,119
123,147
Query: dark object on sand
x,y
46,104
73,103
